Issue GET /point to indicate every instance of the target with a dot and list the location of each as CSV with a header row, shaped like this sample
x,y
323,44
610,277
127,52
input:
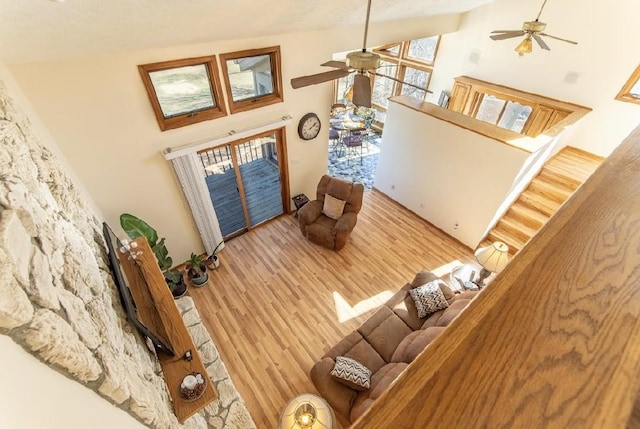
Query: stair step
x,y
549,190
514,243
539,202
582,155
527,215
577,172
559,177
516,229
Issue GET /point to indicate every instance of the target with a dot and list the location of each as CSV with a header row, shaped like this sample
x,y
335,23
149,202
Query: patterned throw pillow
x,y
351,373
428,298
333,207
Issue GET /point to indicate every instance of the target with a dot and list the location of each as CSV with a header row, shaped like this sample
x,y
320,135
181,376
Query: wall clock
x,y
309,126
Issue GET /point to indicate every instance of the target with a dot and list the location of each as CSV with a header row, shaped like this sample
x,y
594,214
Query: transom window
x,y
183,92
630,92
252,78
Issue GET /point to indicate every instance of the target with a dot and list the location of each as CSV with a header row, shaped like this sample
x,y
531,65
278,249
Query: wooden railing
x,y
554,340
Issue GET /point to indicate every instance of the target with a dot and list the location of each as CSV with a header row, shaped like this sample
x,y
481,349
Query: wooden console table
x,y
157,309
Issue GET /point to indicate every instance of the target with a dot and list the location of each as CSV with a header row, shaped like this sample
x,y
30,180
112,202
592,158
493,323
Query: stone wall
x,y
58,298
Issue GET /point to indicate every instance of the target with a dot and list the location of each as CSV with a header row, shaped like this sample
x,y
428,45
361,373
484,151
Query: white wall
x,y
34,396
604,59
98,112
444,173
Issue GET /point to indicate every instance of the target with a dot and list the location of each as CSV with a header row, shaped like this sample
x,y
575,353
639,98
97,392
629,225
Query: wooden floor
x,y
271,306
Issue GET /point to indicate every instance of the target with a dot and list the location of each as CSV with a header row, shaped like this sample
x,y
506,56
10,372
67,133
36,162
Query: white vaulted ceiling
x,y
40,30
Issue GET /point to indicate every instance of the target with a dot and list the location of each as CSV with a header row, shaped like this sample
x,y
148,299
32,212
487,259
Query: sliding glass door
x,y
247,181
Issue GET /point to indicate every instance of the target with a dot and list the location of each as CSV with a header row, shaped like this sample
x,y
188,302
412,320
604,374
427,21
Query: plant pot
x,y
199,277
179,290
175,283
213,262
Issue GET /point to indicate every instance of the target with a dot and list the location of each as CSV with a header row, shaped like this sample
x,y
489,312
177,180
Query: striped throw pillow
x,y
351,373
428,298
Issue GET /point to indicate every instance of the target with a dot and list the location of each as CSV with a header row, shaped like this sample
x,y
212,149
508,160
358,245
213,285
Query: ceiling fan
x,y
531,30
363,62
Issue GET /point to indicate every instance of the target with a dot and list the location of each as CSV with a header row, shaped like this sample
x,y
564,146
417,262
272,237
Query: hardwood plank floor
x,y
278,302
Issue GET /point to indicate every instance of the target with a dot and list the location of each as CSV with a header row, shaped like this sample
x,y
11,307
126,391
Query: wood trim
x,y
174,368
536,123
625,92
574,363
261,100
187,118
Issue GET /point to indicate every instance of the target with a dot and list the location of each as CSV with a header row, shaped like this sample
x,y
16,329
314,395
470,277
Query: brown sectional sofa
x,y
386,344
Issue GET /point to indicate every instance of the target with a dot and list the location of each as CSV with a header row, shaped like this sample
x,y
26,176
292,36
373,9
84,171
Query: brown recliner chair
x,y
323,230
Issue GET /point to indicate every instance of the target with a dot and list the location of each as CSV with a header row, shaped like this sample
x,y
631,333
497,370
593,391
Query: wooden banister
x,y
554,340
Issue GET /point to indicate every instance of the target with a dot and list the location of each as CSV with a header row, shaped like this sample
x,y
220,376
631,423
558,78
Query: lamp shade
x,y
525,47
493,258
307,411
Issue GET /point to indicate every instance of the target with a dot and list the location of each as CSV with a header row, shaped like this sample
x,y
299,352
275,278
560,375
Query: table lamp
x,y
492,259
307,411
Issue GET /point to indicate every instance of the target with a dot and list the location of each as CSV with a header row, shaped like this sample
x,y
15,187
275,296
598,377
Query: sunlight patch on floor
x,y
445,269
346,312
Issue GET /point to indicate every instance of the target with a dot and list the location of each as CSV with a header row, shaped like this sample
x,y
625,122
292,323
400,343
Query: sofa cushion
x,y
380,381
428,298
414,343
444,317
384,330
333,207
339,396
357,348
352,373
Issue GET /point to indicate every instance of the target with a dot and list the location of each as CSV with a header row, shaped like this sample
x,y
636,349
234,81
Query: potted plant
x,y
136,227
197,270
213,262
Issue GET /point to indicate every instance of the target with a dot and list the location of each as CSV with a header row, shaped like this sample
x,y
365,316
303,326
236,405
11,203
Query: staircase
x,y
558,179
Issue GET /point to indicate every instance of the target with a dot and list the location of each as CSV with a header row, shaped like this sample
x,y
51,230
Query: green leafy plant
x,y
135,228
194,264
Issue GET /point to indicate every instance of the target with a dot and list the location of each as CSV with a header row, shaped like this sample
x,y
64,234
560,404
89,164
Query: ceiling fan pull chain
x,y
366,27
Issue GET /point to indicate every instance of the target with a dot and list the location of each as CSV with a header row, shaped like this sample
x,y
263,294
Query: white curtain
x,y
191,174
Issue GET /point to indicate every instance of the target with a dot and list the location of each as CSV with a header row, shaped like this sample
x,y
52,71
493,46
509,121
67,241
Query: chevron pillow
x,y
428,298
351,373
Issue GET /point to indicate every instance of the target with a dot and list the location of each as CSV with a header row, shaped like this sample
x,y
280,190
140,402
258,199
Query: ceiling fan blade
x,y
558,38
299,82
361,90
541,42
505,31
336,64
508,35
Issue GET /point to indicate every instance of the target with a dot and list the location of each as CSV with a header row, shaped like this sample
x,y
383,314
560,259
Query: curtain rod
x,y
171,153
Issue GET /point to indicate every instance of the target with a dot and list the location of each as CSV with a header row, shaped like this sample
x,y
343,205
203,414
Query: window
x,y
384,88
630,92
183,92
423,50
507,114
252,78
509,108
342,86
415,77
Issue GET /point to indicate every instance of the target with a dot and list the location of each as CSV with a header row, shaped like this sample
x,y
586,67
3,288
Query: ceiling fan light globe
x,y
360,60
524,47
